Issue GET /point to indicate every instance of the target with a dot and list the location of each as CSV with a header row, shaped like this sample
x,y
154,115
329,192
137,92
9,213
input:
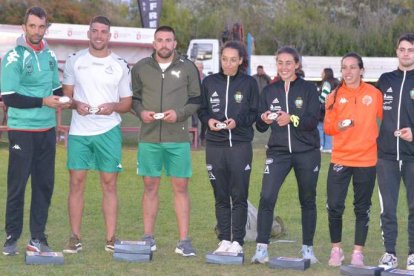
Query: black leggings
x,y
363,179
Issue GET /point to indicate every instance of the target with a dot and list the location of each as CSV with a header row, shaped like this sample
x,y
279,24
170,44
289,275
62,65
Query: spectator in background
x,y
230,98
329,83
396,150
262,78
30,87
290,108
352,114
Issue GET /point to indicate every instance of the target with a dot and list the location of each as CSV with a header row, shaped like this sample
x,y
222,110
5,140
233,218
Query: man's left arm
x,y
194,91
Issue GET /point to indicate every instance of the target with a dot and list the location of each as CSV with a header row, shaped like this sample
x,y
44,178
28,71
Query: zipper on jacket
x,y
399,115
162,90
227,104
37,61
287,88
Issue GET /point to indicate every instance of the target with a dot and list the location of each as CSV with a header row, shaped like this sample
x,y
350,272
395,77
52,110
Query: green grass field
x,y
95,261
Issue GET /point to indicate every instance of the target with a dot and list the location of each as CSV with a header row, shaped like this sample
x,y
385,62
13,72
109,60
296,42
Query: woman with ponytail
x,y
353,111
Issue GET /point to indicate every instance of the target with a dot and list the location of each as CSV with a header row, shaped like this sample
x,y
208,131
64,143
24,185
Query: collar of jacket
x,y
21,41
177,57
409,73
231,77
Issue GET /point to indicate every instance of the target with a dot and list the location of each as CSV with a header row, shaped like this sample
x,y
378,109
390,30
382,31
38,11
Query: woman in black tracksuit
x,y
229,108
293,143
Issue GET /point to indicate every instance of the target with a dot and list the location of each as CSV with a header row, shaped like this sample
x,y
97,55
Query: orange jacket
x,y
355,146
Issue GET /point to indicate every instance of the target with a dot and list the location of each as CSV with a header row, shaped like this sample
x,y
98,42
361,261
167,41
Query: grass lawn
x,y
95,261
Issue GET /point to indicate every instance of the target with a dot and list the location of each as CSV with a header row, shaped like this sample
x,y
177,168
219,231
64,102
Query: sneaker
x,y
74,245
410,262
307,253
357,258
185,248
224,246
261,256
235,247
337,256
110,245
38,245
10,246
388,261
149,239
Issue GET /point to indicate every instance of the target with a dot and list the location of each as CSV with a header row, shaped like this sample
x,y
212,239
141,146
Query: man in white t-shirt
x,y
98,83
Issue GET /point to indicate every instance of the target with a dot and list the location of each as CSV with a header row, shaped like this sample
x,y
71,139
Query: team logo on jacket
x,y
51,65
299,102
412,94
238,97
109,70
367,100
29,68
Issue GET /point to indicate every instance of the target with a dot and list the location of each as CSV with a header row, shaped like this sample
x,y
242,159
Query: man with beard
x,y
30,87
166,92
98,81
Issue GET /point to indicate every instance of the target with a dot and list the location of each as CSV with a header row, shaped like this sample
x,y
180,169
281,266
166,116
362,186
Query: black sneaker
x,y
185,248
10,246
38,245
74,245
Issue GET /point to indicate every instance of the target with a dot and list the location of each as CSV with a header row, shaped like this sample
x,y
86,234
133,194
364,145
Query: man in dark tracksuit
x,y
294,145
230,97
396,150
29,80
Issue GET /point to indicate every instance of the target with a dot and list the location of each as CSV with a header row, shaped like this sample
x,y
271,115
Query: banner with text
x,y
150,11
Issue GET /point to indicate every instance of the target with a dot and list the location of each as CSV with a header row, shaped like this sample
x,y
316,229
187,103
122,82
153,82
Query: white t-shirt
x,y
96,81
164,66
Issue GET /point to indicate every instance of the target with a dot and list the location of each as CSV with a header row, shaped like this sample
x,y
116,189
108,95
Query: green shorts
x,y
101,152
176,157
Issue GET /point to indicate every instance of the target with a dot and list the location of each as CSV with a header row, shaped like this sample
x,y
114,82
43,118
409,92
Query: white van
x,y
206,51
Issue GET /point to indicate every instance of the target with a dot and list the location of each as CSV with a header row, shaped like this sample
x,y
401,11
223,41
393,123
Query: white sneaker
x,y
261,256
410,262
388,261
223,246
307,253
235,247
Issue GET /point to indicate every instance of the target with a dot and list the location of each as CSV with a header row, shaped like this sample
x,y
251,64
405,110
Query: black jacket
x,y
225,97
398,112
302,101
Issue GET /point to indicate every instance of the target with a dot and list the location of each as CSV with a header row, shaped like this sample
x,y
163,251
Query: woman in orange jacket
x,y
353,112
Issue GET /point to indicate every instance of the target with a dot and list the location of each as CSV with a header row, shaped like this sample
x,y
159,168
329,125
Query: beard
x,y
98,48
35,39
165,53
